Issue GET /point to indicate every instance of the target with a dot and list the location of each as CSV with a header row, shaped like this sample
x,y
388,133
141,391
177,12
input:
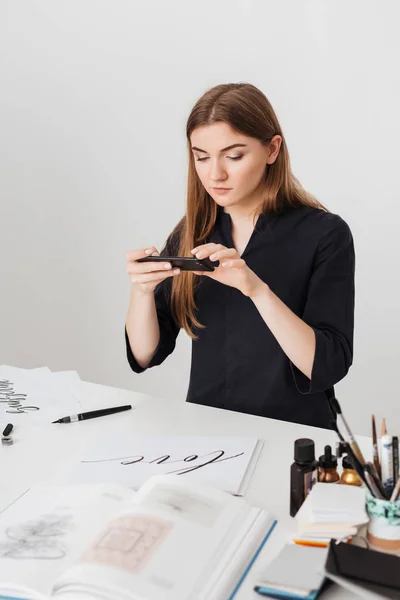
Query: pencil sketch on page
x,y
37,539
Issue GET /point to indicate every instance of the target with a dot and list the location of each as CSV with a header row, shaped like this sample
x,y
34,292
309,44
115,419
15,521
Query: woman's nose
x,y
217,172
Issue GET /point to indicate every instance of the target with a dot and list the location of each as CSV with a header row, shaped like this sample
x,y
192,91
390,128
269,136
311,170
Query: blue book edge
x,y
261,546
273,593
11,598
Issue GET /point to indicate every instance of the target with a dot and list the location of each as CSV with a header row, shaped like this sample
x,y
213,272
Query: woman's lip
x,y
215,188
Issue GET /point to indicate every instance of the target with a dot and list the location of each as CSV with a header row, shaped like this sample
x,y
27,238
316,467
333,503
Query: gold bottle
x,y
327,467
349,475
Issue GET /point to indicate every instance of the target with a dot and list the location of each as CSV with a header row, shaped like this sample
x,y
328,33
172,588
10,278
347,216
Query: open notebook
x,y
172,540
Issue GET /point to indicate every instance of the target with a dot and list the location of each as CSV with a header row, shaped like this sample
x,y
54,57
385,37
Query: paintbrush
x,y
375,452
353,444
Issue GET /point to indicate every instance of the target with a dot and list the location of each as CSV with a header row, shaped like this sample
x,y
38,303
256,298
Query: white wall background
x,y
94,97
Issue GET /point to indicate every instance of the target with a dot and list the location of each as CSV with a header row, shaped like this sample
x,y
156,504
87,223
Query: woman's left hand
x,y
232,270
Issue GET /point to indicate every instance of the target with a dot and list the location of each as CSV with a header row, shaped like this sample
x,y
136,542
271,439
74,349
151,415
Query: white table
x,y
39,451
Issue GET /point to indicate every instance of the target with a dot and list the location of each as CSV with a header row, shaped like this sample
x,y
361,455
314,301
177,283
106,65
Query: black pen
x,y
93,413
395,447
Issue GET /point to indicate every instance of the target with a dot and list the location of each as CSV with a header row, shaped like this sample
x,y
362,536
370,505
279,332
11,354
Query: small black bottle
x,y
303,473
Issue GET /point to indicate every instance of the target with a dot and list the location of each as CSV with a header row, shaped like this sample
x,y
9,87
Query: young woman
x,y
272,325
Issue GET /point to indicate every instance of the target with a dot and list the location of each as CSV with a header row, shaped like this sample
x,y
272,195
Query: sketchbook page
x,y
161,547
33,396
48,528
130,460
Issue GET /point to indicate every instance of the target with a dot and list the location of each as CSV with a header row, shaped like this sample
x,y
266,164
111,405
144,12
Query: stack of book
x,y
331,512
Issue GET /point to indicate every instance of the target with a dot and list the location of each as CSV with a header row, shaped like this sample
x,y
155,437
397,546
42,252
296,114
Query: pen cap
x,y
327,460
304,450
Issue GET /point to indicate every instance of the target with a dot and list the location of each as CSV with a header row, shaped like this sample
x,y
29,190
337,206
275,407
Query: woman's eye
x,y
230,157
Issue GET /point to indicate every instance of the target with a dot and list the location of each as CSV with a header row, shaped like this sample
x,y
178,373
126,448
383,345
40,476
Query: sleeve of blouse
x,y
169,329
329,310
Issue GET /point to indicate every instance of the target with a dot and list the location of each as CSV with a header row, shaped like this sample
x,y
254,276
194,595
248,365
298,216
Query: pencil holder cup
x,y
383,530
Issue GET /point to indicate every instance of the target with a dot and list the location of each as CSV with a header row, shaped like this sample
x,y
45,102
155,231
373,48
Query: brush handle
x,y
356,449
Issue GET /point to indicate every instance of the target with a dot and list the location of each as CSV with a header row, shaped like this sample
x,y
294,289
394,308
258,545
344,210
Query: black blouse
x,y
306,256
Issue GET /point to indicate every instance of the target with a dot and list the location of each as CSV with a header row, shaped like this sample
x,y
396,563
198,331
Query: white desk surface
x,y
38,451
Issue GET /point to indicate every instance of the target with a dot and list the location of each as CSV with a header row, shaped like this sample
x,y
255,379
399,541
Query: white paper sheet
x,y
222,462
37,396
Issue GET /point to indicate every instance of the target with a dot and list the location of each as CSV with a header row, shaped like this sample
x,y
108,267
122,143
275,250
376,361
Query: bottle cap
x,y
304,450
328,460
346,462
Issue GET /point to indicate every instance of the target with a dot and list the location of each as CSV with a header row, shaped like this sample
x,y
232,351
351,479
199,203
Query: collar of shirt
x,y
222,232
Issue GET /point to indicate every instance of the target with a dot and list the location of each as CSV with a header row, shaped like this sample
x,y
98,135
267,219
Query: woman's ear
x,y
273,148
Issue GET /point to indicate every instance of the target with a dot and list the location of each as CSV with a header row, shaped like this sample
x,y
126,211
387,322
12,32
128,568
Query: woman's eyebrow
x,y
223,149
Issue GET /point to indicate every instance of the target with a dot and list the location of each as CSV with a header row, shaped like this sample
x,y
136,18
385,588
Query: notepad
x,y
297,572
332,510
332,503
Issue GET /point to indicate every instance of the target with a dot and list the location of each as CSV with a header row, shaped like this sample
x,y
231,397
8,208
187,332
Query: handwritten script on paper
x,y
37,396
224,462
13,399
216,456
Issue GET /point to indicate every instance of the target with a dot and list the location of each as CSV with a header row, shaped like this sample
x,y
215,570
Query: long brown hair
x,y
247,110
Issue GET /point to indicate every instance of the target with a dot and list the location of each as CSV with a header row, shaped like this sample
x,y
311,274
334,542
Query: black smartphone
x,y
185,263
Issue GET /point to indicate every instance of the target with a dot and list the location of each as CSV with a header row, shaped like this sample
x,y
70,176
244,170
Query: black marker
x,y
8,429
395,446
93,413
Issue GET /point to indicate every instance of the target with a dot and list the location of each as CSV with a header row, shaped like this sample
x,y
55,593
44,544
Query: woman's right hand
x,y
146,276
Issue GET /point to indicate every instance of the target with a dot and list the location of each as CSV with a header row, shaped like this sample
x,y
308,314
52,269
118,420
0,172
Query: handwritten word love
x,y
217,456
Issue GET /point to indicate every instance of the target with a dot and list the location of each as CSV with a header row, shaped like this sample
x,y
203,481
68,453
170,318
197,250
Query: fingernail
x,y
148,250
176,271
226,264
193,251
199,255
167,266
213,256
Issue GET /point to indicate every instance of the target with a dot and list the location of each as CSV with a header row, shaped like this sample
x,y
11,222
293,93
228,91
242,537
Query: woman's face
x,y
240,168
